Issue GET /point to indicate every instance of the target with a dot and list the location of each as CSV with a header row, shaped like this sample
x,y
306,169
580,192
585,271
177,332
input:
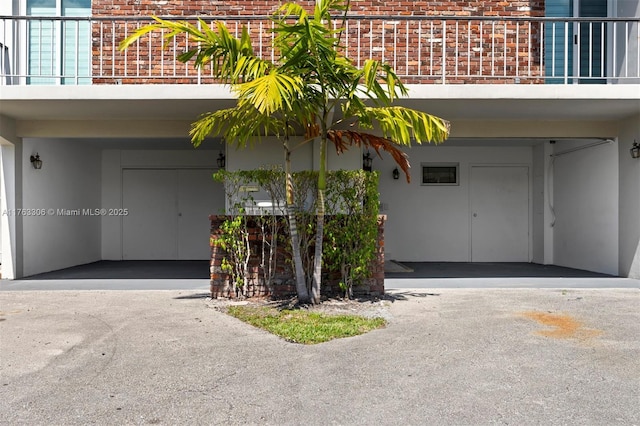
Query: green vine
x,y
351,231
350,225
242,205
234,239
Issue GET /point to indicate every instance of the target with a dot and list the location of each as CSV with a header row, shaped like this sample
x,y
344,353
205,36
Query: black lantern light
x,y
367,162
36,162
635,150
396,174
222,160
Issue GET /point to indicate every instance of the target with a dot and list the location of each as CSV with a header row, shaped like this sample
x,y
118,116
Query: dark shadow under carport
x,y
432,275
199,269
194,275
130,269
486,270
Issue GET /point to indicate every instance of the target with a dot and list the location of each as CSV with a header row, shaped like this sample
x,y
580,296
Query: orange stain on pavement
x,y
563,326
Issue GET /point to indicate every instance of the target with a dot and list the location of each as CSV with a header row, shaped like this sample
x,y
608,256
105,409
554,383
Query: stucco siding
x,y
629,177
53,236
585,202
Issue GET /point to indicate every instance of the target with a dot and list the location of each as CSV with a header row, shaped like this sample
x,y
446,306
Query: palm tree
x,y
234,62
300,93
311,50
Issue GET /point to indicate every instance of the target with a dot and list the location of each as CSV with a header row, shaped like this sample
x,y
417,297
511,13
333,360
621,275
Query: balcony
x,y
422,50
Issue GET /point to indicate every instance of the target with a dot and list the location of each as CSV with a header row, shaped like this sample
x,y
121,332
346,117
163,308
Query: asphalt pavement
x,y
447,357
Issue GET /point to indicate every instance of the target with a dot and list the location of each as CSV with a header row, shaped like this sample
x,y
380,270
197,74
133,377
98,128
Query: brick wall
x,y
360,7
448,8
186,7
284,280
498,49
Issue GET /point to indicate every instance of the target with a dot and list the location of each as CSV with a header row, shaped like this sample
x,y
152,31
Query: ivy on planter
x,y
351,231
256,200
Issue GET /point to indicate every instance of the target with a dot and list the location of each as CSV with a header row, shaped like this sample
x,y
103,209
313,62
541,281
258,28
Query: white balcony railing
x,y
444,50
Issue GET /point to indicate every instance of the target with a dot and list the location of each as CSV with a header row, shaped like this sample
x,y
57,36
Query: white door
x,y
499,214
149,230
168,213
198,197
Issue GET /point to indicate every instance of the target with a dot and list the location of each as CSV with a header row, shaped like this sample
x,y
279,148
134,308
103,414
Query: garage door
x,y
168,212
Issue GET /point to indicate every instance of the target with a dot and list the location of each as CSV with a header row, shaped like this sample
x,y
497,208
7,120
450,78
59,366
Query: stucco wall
x,y
115,160
585,200
10,262
269,153
424,223
432,223
69,180
629,173
538,194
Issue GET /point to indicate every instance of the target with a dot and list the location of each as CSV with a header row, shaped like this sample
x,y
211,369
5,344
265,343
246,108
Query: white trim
x,y
612,11
575,35
588,92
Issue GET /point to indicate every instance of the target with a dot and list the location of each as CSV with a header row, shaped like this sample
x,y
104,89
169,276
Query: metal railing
x,y
443,50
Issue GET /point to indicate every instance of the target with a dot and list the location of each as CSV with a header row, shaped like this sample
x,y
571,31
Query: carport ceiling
x,y
451,109
151,143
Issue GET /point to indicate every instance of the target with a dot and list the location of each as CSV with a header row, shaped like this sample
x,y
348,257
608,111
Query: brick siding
x,y
472,47
360,7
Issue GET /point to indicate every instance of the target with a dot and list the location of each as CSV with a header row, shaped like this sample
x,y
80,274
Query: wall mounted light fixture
x,y
396,173
635,150
222,160
367,162
36,162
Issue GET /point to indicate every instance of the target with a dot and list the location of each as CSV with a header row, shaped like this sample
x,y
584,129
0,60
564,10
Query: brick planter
x,y
284,280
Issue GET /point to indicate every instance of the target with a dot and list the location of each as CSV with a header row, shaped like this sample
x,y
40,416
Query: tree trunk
x,y
301,285
317,258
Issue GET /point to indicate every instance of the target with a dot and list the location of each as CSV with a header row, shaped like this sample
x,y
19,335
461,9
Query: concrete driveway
x,y
448,356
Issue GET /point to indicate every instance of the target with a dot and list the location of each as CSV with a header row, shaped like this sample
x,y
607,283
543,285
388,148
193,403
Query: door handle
x,y
475,215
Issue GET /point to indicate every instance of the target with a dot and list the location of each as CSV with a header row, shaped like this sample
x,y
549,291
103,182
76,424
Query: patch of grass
x,y
305,327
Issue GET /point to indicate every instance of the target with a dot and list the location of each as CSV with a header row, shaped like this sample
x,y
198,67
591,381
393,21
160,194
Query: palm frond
x,y
242,125
311,77
288,10
137,34
270,93
342,139
232,59
404,125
